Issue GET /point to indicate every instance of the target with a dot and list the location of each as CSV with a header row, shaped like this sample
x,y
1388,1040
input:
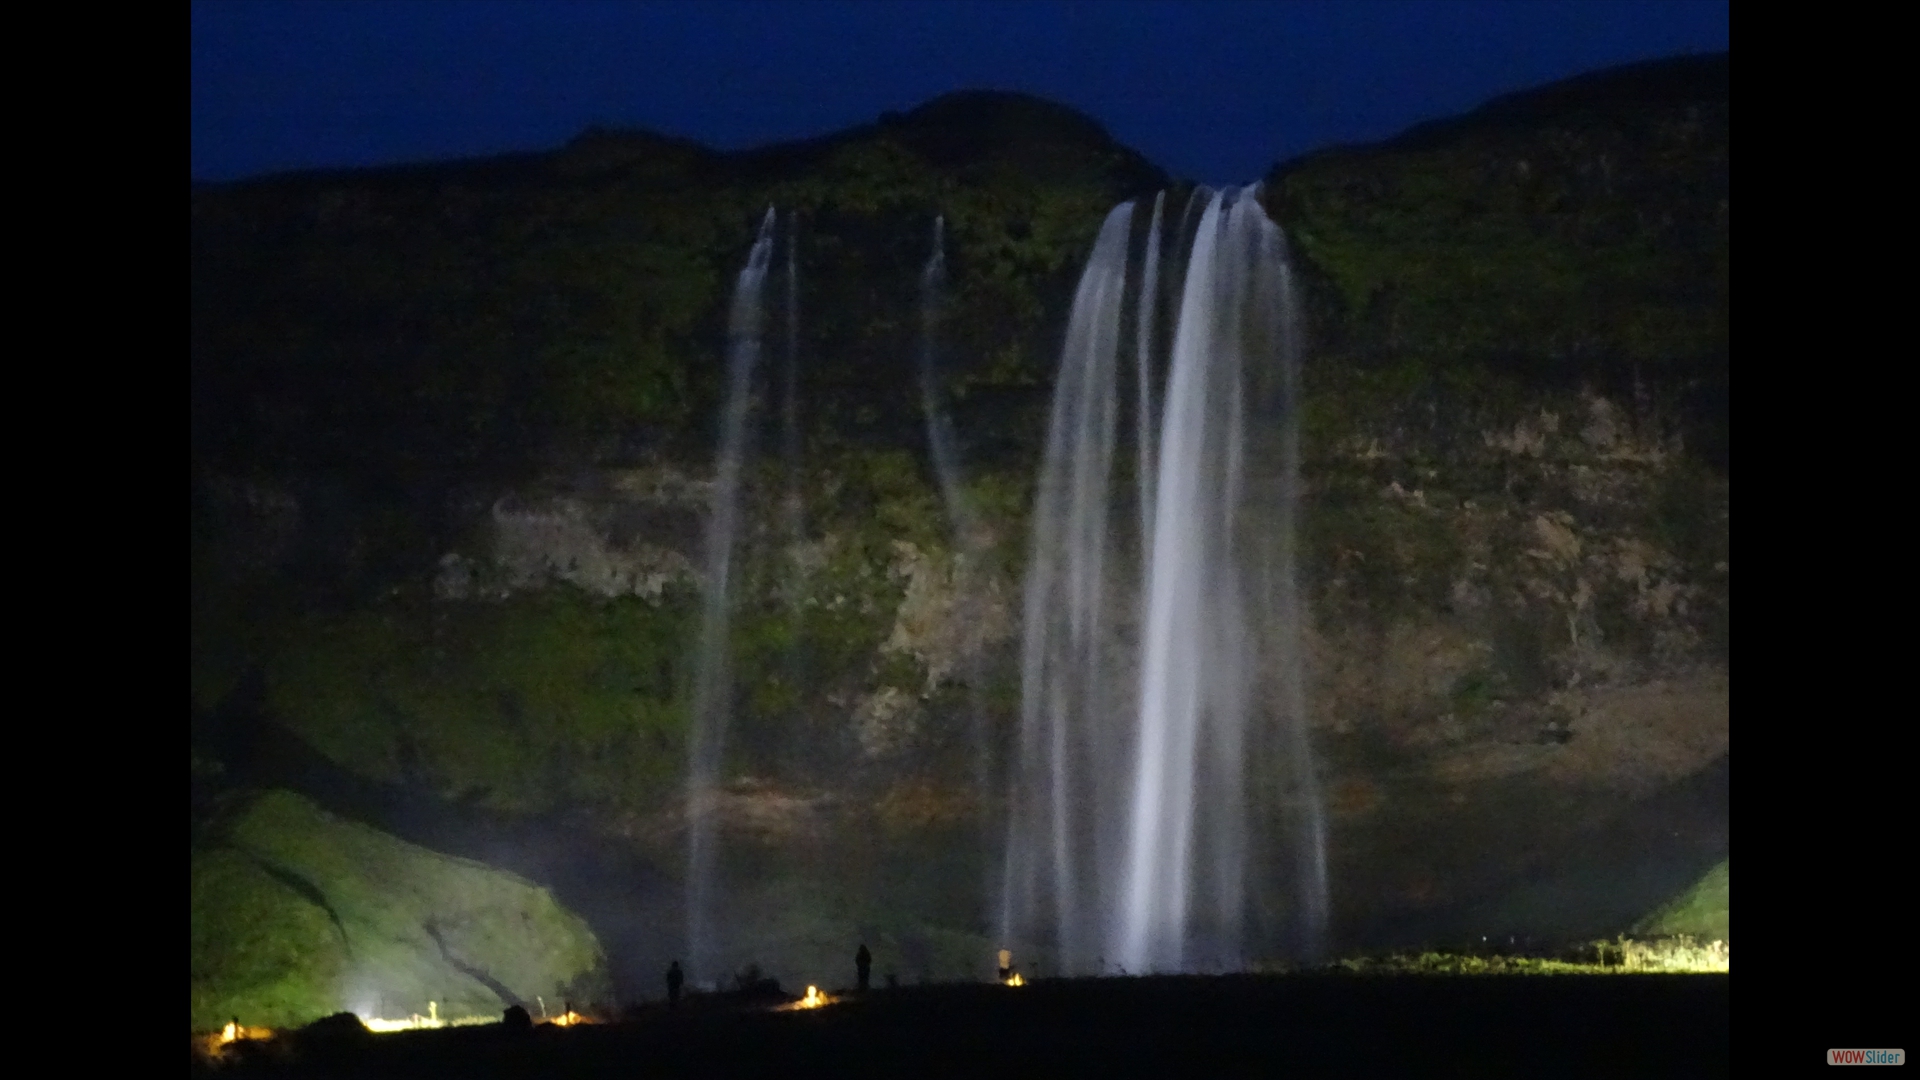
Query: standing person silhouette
x,y
863,964
674,978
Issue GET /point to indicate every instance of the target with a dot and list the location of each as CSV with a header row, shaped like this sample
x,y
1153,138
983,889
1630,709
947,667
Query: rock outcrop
x,y
298,915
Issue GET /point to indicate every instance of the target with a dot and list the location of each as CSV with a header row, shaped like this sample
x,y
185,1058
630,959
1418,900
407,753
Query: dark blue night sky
x,y
1211,91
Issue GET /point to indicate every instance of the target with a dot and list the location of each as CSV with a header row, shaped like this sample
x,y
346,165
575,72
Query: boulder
x,y
298,914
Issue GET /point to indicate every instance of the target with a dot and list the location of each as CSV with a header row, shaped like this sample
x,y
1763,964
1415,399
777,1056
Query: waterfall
x,y
793,506
793,567
1149,304
1060,848
1285,614
940,438
712,699
1164,799
945,451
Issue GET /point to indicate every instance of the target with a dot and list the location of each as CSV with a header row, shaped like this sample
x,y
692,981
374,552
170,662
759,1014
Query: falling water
x,y
793,506
1284,613
1145,830
712,702
965,532
946,456
1149,304
1061,848
793,499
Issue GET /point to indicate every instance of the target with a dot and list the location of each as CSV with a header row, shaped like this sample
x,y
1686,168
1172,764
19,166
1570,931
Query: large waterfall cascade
x,y
1164,813
1070,757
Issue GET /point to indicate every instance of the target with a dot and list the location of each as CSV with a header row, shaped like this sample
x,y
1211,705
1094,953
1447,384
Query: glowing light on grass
x,y
415,1022
1678,954
214,1045
1016,980
813,1000
1620,956
383,1025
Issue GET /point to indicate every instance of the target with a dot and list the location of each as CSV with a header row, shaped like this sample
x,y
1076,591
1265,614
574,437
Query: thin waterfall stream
x,y
712,697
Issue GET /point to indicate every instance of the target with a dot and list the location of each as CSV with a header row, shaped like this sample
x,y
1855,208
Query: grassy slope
x,y
1703,911
299,914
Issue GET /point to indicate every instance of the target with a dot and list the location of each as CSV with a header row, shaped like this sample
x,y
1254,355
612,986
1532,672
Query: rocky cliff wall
x,y
456,579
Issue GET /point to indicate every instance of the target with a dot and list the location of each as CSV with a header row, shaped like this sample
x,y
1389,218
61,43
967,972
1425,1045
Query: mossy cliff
x,y
567,307
452,461
1518,452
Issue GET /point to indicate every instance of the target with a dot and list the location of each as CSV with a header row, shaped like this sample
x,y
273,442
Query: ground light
x,y
813,1000
1008,975
235,1031
212,1045
433,1019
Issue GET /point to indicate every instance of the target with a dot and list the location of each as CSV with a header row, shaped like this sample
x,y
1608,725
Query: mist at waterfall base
x,y
1156,810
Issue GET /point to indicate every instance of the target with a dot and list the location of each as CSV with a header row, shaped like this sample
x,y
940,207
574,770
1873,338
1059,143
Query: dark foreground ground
x,y
1563,1025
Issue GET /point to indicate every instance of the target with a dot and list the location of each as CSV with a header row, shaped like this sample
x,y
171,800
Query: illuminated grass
x,y
1702,912
1621,956
1681,953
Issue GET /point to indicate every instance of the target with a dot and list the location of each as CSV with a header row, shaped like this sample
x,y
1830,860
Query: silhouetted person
x,y
863,963
517,1019
674,978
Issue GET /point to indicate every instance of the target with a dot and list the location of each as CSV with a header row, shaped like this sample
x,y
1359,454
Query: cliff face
x,y
1518,448
452,464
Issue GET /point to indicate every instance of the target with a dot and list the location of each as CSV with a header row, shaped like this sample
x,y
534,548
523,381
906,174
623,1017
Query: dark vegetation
x,y
567,307
1566,1025
1572,235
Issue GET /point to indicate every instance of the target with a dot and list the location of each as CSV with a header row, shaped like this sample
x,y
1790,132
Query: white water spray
x,y
1061,850
1149,306
1144,833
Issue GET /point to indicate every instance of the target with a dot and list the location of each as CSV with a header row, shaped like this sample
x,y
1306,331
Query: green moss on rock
x,y
525,704
299,914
